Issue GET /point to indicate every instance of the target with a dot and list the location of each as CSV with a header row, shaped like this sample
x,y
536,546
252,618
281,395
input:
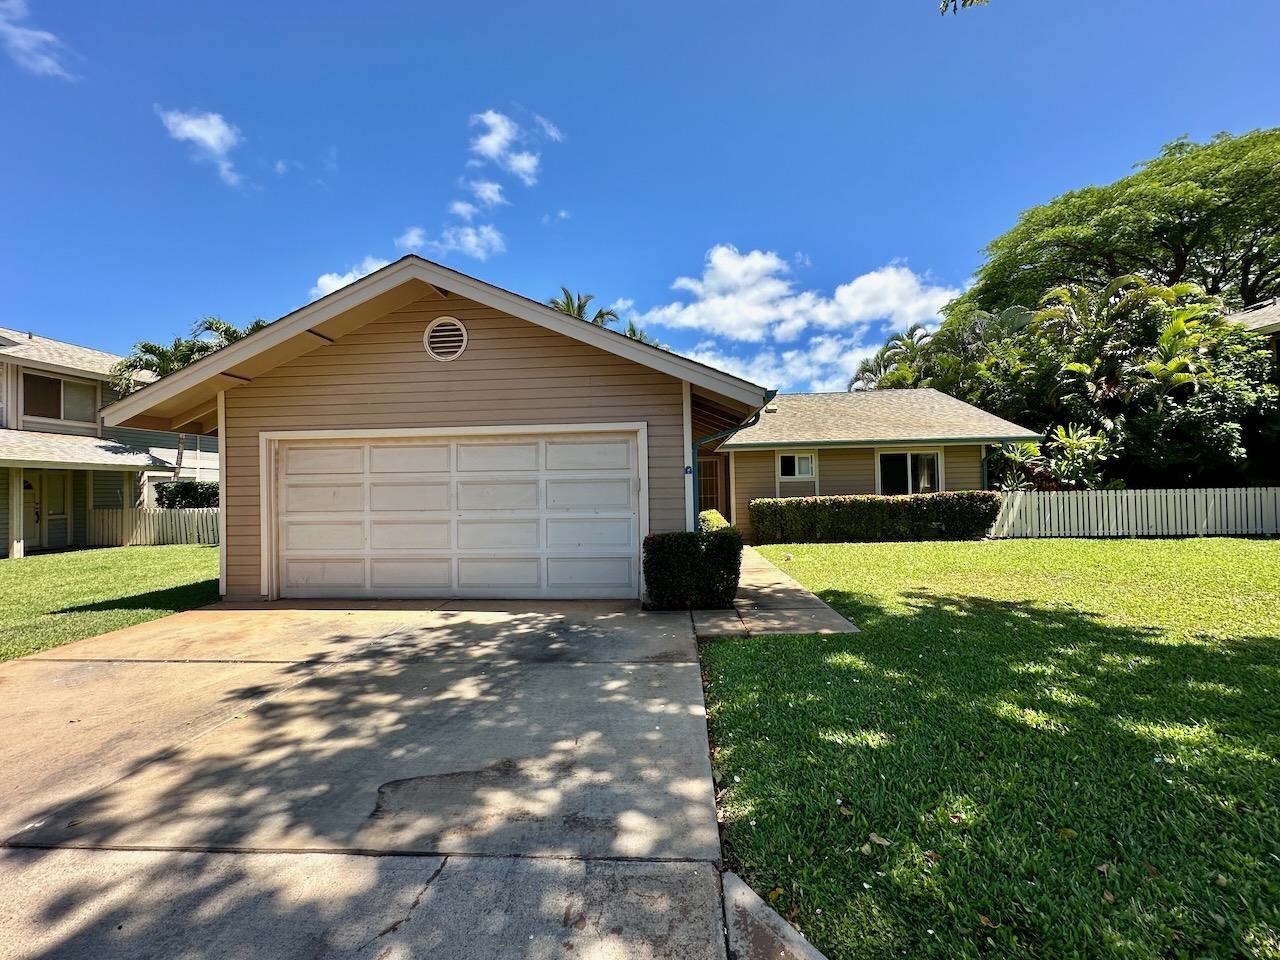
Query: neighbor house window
x,y
54,399
796,466
910,473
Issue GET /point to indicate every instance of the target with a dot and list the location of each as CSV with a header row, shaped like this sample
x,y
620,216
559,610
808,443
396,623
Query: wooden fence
x,y
1208,512
135,527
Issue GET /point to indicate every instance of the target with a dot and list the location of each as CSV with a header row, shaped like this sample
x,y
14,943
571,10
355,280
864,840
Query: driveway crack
x,y
395,925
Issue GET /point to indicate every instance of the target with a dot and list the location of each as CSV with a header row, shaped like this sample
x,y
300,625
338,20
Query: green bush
x,y
962,515
697,571
709,520
186,494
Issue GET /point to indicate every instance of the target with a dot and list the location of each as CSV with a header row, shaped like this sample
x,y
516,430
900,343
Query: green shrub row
x,y
962,515
186,494
697,571
709,520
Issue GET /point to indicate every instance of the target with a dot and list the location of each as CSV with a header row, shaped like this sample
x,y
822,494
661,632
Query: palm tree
x,y
222,333
870,370
636,333
157,360
906,348
575,305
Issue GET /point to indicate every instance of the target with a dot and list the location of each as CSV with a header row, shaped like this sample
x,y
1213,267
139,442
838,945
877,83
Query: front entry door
x,y
32,532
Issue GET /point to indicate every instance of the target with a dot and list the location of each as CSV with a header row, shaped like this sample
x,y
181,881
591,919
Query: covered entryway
x,y
551,513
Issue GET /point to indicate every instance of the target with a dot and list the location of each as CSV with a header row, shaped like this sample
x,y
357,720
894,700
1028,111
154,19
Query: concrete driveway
x,y
479,780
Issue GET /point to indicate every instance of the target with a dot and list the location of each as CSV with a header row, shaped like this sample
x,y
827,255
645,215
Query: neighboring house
x,y
872,441
420,433
56,461
1263,318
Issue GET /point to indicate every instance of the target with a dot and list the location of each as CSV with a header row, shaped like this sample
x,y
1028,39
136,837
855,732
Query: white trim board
x,y
404,270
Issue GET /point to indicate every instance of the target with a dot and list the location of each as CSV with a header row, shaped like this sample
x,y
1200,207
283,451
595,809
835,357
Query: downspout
x,y
699,441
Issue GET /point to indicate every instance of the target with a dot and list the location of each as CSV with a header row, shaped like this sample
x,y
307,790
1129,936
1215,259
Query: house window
x,y
910,473
796,466
51,398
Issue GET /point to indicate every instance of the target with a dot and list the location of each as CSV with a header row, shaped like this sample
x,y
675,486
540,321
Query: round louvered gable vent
x,y
445,338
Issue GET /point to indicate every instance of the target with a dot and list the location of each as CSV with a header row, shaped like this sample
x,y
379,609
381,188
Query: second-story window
x,y
52,398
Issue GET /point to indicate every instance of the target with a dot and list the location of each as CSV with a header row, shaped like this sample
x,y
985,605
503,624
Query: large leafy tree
x,y
1200,212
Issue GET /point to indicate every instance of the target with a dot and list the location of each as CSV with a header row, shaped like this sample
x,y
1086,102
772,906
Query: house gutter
x,y
699,441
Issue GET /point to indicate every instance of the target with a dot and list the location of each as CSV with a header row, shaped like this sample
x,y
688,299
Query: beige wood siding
x,y
963,467
845,472
754,474
379,376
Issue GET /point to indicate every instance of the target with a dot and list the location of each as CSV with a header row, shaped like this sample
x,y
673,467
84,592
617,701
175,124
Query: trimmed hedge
x,y
709,520
697,571
186,494
962,515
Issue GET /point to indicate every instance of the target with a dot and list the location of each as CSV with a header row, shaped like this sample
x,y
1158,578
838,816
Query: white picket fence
x,y
136,527
1206,512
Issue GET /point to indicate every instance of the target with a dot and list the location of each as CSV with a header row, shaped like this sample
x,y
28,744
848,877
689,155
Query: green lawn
x,y
1069,749
56,598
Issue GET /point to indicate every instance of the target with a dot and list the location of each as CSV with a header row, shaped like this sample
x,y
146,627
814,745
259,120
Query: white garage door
x,y
515,516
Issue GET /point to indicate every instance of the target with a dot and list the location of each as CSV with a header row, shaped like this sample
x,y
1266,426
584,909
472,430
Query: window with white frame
x,y
52,398
797,466
910,472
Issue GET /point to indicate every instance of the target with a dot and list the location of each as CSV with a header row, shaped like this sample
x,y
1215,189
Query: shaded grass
x,y
51,599
1070,746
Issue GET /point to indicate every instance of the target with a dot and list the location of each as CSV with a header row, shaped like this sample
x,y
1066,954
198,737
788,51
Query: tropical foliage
x,y
150,361
579,305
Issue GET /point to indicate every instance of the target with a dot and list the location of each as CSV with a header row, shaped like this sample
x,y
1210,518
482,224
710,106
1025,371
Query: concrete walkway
x,y
474,781
769,602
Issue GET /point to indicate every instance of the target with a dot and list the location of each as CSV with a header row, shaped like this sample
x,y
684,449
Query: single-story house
x,y
1263,319
421,433
867,441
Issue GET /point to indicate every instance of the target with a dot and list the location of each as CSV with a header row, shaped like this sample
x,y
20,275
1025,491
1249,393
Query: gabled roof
x,y
191,392
1261,317
32,448
870,417
33,350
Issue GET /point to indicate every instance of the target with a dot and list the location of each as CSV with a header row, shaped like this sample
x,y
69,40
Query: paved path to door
x,y
482,780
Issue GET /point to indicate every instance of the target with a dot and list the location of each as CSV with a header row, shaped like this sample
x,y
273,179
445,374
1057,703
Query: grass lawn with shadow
x,y
1034,749
51,599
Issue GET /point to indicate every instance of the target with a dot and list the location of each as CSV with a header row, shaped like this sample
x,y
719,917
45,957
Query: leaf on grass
x,y
956,817
1152,872
865,849
1104,869
1108,896
932,856
775,894
987,921
1220,880
876,838
1066,833
846,811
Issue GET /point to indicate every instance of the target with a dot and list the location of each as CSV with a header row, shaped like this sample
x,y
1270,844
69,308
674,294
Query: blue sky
x,y
767,187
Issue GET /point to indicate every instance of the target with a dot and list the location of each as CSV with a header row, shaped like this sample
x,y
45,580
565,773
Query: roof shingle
x,y
1261,317
875,416
21,345
29,446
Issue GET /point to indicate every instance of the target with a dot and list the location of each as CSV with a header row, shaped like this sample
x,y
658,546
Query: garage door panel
x,y
588,454
328,535
490,573
409,535
324,497
500,495
497,534
554,516
587,495
324,574
396,573
568,572
403,496
301,461
608,532
409,458
495,457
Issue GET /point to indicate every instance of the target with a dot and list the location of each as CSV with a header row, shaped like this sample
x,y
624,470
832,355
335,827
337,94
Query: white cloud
x,y
549,218
549,129
825,364
326,283
487,192
36,51
281,167
480,242
211,135
750,297
463,209
412,239
500,131
524,166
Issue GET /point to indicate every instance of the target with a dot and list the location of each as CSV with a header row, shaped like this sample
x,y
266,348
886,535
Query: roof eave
x,y
883,442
